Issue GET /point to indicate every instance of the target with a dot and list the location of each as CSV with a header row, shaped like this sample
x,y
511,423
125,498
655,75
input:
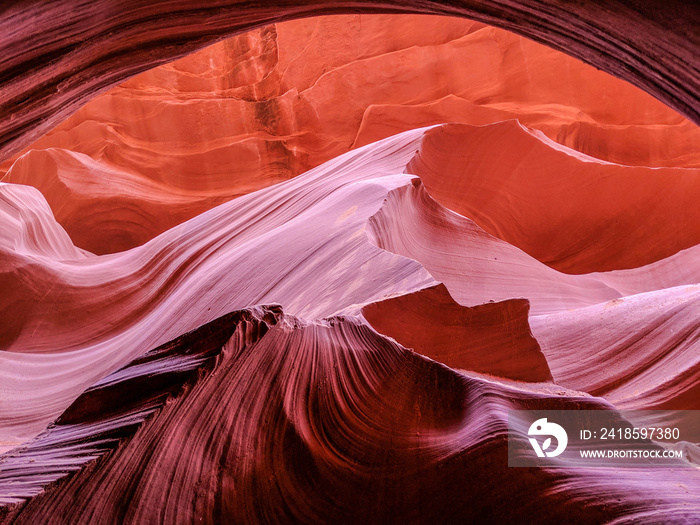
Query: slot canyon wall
x,y
304,274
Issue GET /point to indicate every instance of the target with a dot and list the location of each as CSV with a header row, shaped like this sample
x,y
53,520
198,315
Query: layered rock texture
x,y
304,274
273,103
58,55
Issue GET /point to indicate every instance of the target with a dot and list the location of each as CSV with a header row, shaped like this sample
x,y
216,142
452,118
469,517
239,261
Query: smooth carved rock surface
x,y
303,275
357,228
58,56
574,212
492,338
263,107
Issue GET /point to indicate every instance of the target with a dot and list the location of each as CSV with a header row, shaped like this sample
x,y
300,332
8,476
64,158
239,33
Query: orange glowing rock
x,y
270,104
492,338
576,213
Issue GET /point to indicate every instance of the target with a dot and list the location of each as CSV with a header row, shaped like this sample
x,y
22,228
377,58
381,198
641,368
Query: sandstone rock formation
x,y
308,274
342,425
263,107
60,55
